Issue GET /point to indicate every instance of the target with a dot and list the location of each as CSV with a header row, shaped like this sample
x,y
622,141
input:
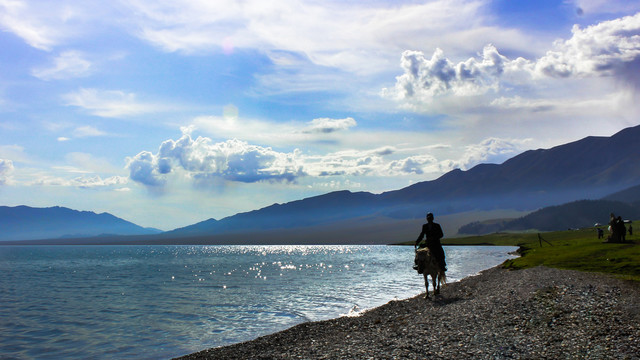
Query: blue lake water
x,y
158,302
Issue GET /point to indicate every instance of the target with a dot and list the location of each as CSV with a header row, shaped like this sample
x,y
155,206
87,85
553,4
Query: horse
x,y
428,265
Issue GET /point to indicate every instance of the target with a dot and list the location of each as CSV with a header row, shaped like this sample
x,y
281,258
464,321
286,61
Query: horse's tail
x,y
442,278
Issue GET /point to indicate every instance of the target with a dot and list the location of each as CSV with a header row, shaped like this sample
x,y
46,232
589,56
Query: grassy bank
x,y
571,249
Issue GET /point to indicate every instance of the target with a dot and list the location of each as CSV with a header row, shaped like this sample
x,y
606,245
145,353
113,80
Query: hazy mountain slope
x,y
629,195
576,214
24,222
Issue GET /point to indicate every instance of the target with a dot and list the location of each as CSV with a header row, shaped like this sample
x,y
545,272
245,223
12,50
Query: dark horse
x,y
428,265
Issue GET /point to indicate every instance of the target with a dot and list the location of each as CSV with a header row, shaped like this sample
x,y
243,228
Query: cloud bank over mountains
x,y
202,160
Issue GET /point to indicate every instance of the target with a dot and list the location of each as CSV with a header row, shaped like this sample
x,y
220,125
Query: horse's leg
x,y
426,284
436,285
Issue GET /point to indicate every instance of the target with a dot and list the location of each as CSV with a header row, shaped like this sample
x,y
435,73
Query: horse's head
x,y
423,254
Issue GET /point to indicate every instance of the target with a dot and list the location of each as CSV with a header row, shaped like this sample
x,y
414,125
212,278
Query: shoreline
x,y
532,313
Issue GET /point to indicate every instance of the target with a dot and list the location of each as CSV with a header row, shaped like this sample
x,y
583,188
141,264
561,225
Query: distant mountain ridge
x,y
590,168
26,223
585,169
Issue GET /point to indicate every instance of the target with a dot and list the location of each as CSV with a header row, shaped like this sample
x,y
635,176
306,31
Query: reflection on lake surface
x,y
78,302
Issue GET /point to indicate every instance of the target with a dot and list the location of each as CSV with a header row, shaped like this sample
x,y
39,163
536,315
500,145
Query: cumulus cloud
x,y
438,75
607,49
326,125
413,164
143,168
490,149
202,159
425,79
6,169
69,64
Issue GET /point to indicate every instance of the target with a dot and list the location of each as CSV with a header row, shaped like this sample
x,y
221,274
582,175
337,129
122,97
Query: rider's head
x,y
429,216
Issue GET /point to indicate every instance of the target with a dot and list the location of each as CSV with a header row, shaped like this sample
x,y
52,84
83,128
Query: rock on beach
x,y
537,313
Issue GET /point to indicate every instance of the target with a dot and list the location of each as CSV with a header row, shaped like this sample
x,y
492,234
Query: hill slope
x,y
576,214
24,223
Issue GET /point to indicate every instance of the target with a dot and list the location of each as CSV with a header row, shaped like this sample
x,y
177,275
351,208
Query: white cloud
x,y
6,169
590,7
425,78
45,24
326,33
491,148
604,49
14,152
69,64
326,125
88,131
319,55
144,168
83,182
413,164
202,161
97,181
518,103
17,17
290,134
608,49
110,103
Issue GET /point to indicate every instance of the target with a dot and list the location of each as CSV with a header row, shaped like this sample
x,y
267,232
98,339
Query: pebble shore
x,y
538,313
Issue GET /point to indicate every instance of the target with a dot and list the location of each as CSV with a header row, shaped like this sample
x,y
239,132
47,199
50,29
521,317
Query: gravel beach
x,y
538,313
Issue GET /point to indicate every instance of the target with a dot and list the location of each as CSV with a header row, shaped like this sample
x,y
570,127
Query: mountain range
x,y
25,223
590,168
586,169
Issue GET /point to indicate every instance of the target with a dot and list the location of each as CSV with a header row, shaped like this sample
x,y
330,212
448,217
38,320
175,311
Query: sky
x,y
167,113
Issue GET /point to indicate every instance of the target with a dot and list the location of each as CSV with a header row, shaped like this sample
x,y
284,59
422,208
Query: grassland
x,y
571,249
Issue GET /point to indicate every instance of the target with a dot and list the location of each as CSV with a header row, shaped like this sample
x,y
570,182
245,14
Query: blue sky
x,y
167,113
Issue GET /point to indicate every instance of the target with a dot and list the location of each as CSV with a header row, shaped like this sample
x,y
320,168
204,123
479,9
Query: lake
x,y
158,302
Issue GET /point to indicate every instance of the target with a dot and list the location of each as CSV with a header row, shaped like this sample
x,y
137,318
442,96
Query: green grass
x,y
571,249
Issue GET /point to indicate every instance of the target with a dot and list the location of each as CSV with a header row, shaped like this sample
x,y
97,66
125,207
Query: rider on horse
x,y
433,233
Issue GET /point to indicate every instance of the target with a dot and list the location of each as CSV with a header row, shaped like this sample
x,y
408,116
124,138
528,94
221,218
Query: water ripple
x,y
77,302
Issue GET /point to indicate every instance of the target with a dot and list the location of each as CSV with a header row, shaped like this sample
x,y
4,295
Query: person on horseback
x,y
433,233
